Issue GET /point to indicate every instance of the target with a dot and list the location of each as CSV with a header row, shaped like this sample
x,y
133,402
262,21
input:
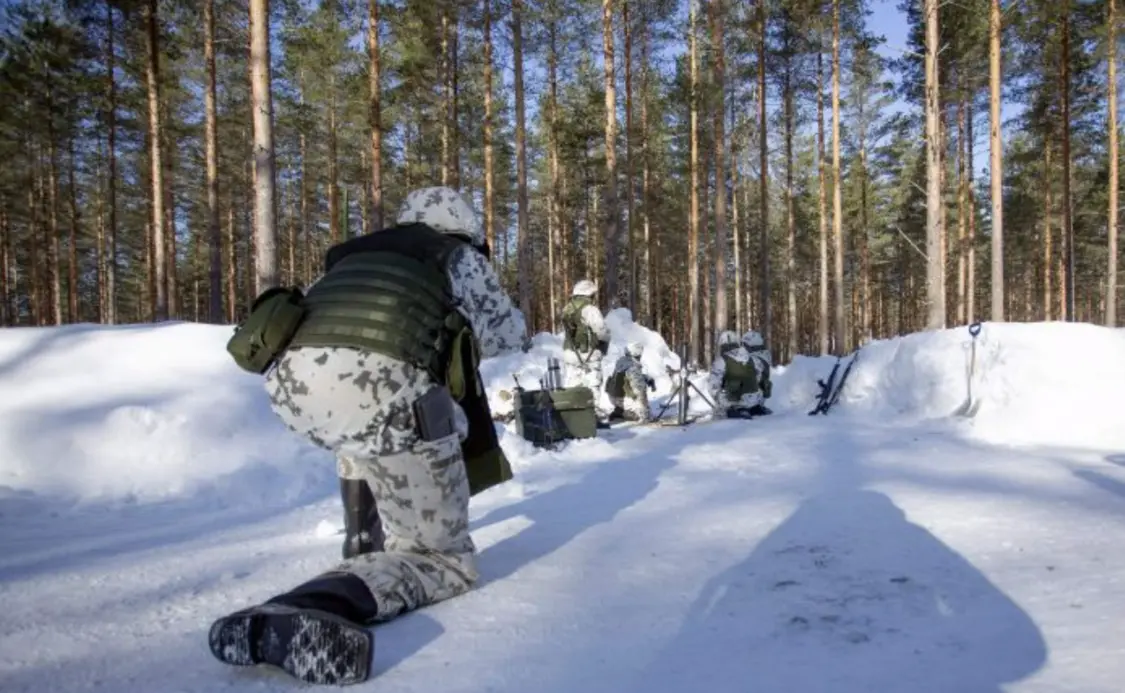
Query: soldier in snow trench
x,y
628,387
585,338
740,376
383,371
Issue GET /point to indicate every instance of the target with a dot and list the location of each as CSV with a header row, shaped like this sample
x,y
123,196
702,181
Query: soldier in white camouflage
x,y
740,375
628,386
383,373
585,338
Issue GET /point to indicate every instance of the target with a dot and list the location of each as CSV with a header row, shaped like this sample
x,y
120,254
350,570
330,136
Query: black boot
x,y
314,632
363,533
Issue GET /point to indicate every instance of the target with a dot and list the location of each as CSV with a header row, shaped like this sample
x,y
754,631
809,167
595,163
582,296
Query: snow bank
x,y
1037,383
141,413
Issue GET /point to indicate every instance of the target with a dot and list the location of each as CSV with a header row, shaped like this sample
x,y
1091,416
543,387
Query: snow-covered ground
x,y
146,489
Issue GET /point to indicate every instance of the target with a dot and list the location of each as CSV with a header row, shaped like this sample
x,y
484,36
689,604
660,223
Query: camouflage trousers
x,y
724,402
359,405
636,408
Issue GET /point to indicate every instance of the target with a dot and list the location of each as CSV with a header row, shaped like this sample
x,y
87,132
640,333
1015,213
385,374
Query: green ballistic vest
x,y
739,378
577,335
389,293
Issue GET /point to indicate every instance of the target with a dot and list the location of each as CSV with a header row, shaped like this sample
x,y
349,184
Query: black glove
x,y
603,347
767,389
651,383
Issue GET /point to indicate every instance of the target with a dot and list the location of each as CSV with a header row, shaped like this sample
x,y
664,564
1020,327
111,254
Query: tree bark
x,y
489,185
72,242
721,315
935,295
214,234
612,240
1068,224
693,213
996,163
265,199
837,204
155,137
790,200
1111,271
554,201
971,251
962,225
376,116
631,228
765,318
110,312
822,202
523,261
651,280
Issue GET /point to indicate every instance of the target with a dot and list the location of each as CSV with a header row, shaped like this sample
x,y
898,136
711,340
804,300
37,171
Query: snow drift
x,y
144,413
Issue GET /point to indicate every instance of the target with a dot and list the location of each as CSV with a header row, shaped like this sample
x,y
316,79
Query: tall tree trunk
x,y
790,200
822,202
651,280
1048,209
962,187
611,297
523,261
72,242
971,252
862,233
489,186
170,220
1111,271
34,293
1068,224
265,200
935,295
232,263
693,213
375,115
721,250
736,224
7,315
554,200
214,234
333,167
110,312
765,319
837,204
54,256
155,137
996,163
446,97
631,228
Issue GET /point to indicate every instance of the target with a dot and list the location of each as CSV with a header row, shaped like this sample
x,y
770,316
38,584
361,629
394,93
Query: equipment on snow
x,y
970,406
314,632
553,414
680,393
830,390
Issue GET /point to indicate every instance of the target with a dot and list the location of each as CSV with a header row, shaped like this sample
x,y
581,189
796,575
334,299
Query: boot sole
x,y
309,645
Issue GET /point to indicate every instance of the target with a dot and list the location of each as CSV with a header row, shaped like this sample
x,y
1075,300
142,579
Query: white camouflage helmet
x,y
753,340
444,210
634,349
727,338
584,287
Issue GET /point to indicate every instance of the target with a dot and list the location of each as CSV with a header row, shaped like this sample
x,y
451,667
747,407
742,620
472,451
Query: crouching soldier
x,y
380,366
740,376
628,387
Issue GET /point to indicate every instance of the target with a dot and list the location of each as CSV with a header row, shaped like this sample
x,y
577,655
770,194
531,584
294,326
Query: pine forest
x,y
712,164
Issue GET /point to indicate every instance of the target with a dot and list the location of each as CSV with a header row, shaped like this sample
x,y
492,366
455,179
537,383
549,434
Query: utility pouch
x,y
266,332
433,414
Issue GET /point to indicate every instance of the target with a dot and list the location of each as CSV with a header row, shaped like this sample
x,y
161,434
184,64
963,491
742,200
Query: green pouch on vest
x,y
267,330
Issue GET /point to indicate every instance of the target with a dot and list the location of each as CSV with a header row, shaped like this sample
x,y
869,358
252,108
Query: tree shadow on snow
x,y
1118,459
1106,483
848,595
563,513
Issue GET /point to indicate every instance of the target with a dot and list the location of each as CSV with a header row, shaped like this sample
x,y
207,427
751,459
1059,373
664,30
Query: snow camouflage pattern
x,y
360,405
637,407
442,209
761,360
585,370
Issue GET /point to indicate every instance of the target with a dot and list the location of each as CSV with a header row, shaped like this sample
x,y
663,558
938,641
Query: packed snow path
x,y
794,554
146,489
